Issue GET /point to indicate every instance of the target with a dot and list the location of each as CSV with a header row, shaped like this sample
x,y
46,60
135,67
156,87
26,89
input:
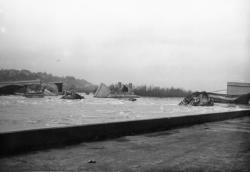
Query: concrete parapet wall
x,y
21,141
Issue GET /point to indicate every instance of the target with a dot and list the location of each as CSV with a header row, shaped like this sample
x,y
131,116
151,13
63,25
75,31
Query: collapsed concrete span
x,y
198,99
120,91
18,87
103,91
208,99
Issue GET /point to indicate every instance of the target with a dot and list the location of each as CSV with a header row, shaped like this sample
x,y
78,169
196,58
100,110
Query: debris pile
x,y
198,99
208,99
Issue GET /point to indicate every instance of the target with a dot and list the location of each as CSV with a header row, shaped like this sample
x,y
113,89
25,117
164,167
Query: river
x,y
21,113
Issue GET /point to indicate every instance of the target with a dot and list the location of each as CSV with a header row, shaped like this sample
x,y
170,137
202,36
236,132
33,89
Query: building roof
x,y
238,84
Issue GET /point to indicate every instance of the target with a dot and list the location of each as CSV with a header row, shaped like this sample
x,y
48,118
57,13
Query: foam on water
x,y
20,113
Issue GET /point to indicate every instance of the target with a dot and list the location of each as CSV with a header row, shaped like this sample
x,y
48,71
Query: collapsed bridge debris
x,y
115,91
208,99
22,87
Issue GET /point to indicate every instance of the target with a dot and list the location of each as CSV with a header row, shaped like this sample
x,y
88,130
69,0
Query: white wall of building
x,y
236,88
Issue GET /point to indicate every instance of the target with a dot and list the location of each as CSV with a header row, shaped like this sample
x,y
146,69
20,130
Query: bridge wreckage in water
x,y
208,99
31,88
116,91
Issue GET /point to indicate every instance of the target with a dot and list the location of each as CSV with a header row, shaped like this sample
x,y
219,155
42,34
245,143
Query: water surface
x,y
21,113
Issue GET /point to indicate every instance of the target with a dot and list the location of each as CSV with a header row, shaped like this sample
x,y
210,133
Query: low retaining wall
x,y
21,141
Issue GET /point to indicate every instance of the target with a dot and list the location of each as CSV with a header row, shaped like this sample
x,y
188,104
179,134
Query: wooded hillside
x,y
69,82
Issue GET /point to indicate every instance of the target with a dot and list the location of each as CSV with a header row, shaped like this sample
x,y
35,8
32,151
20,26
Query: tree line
x,y
81,85
154,91
69,82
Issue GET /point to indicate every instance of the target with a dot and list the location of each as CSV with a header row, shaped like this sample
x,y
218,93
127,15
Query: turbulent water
x,y
20,113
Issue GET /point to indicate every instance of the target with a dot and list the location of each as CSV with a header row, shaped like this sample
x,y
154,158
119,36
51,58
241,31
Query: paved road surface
x,y
217,146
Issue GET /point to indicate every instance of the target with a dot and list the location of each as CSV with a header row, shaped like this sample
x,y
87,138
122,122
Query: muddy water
x,y
20,113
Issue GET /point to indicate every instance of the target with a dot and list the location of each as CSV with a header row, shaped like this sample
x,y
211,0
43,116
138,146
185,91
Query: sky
x,y
189,44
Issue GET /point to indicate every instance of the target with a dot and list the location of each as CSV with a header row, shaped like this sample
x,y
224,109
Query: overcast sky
x,y
191,44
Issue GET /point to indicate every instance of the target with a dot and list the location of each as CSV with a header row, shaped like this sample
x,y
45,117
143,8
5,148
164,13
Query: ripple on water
x,y
17,113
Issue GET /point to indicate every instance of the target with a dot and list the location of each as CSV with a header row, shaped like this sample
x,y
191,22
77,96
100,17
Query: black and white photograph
x,y
125,85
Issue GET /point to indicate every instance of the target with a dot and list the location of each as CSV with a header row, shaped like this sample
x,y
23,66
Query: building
x,y
237,88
